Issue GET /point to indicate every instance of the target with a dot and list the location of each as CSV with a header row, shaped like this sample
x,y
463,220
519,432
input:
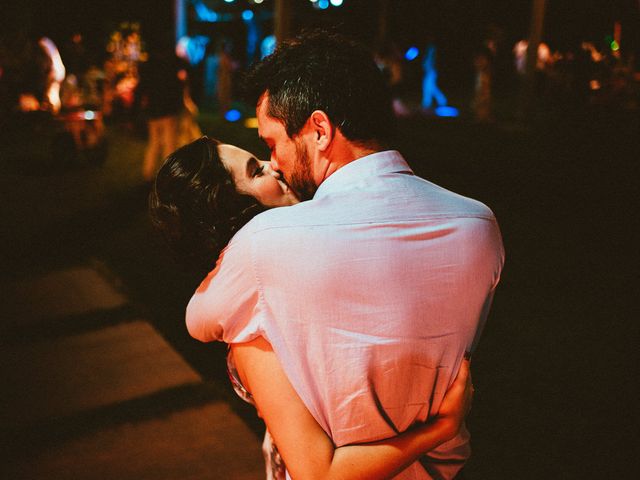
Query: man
x,y
371,291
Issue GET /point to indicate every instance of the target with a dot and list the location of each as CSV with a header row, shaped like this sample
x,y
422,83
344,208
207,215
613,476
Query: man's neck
x,y
342,152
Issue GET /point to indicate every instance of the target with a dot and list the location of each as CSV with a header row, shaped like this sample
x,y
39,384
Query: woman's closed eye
x,y
254,168
258,171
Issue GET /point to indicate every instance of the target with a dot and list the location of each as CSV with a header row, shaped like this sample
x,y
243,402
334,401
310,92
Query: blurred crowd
x,y
583,76
75,89
70,80
589,74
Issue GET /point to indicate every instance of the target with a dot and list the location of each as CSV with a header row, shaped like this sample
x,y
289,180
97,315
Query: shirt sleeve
x,y
226,305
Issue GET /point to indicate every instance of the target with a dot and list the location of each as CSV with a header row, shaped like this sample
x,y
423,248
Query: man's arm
x,y
225,305
306,449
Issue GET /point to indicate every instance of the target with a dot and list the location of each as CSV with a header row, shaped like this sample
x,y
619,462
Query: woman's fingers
x,y
468,383
462,383
464,374
462,387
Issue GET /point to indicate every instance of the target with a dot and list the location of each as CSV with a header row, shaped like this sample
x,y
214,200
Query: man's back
x,y
370,294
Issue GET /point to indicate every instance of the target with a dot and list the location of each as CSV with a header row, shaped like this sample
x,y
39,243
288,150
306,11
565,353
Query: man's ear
x,y
322,128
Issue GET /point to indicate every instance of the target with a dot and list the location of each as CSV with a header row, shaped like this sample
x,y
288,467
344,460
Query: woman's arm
x,y
307,450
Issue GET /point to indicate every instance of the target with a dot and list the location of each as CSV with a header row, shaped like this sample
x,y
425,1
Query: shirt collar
x,y
376,164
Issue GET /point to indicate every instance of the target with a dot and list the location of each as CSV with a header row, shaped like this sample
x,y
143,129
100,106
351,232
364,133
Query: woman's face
x,y
255,177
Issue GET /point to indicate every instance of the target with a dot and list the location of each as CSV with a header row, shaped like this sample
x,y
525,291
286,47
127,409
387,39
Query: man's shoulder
x,y
282,218
466,206
444,202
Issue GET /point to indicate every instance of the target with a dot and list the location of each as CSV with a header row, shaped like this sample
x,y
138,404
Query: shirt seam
x,y
259,229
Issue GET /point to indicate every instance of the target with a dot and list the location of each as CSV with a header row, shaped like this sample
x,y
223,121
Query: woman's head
x,y
255,177
205,192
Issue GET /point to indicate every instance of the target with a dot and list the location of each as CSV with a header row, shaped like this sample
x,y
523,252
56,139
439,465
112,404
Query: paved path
x,y
92,391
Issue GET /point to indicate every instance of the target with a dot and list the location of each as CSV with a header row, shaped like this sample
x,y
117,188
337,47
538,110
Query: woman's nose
x,y
268,168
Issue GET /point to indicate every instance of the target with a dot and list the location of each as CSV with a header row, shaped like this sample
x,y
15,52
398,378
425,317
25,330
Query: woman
x,y
203,194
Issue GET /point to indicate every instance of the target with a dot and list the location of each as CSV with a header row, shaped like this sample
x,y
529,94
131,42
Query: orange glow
x,y
28,103
251,122
57,74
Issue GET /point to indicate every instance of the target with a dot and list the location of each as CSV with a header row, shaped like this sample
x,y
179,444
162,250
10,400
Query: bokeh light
x,y
204,14
251,122
446,111
411,53
232,115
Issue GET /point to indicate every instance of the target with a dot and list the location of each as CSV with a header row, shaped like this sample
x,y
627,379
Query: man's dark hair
x,y
195,204
324,71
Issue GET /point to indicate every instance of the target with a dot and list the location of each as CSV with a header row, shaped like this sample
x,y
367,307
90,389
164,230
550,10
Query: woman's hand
x,y
456,403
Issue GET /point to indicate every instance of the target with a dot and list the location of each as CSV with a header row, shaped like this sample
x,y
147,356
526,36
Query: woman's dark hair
x,y
319,70
194,203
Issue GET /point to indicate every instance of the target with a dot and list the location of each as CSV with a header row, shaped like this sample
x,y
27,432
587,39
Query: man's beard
x,y
301,181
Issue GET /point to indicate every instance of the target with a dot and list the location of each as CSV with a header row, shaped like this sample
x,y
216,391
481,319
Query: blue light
x,y
232,115
229,1
323,4
89,115
267,46
446,111
336,3
204,14
412,53
247,15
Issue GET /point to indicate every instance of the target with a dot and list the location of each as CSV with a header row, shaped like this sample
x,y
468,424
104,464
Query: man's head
x,y
312,91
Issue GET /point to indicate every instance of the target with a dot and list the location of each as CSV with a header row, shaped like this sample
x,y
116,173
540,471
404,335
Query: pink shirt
x,y
369,294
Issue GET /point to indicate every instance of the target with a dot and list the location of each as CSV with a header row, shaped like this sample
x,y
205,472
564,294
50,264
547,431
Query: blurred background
x,y
530,106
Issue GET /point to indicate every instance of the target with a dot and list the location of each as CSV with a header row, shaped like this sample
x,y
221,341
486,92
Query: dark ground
x,y
557,369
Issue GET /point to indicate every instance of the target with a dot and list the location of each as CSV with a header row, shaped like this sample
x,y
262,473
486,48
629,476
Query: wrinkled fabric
x,y
370,293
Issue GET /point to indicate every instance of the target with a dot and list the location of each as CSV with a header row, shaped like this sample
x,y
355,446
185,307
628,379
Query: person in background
x,y
160,97
431,93
56,74
483,85
226,68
